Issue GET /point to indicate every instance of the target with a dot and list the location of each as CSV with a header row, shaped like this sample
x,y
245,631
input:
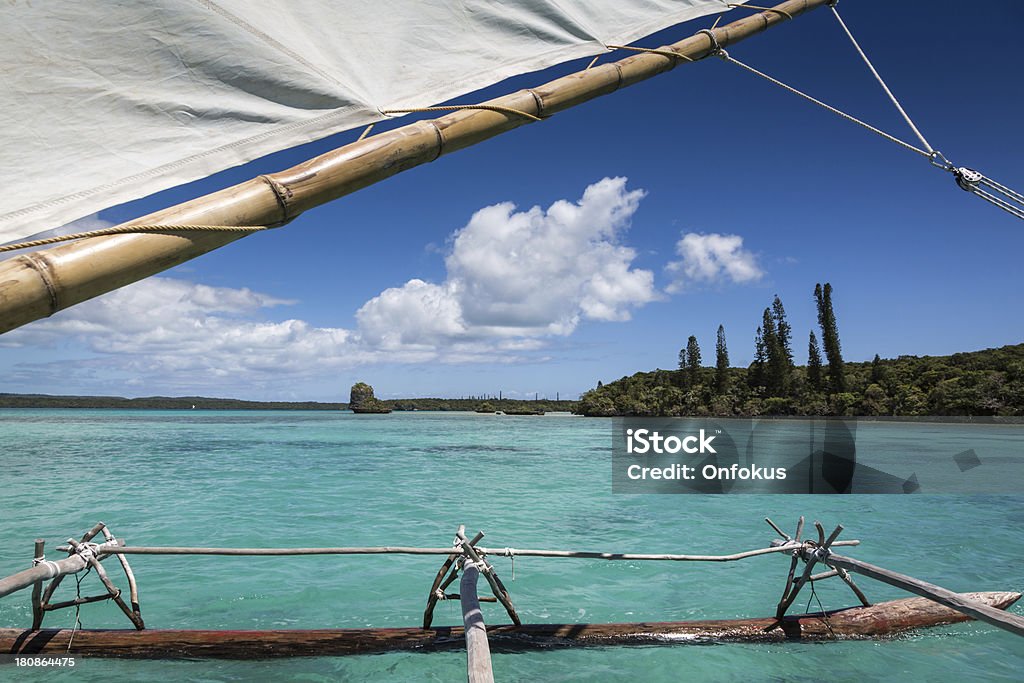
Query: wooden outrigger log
x,y
883,620
469,559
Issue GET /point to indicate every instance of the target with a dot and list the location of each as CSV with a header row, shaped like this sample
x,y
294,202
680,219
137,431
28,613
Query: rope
x,y
974,188
511,553
130,229
867,126
78,607
663,53
871,67
969,180
460,107
824,615
783,12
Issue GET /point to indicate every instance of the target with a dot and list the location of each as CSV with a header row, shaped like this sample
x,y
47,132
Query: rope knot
x,y
716,49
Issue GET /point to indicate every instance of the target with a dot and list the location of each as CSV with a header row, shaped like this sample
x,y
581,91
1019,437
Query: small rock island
x,y
362,401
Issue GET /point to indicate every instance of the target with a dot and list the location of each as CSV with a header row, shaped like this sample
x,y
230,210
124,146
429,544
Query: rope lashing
x,y
511,553
972,181
131,229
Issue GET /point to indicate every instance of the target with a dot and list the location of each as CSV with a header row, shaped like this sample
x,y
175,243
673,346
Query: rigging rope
x,y
133,229
871,67
967,179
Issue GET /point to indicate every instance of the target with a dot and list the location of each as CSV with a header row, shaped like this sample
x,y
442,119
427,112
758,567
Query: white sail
x,y
110,100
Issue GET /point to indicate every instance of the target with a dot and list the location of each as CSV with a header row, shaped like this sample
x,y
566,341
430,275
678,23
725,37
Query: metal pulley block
x,y
967,178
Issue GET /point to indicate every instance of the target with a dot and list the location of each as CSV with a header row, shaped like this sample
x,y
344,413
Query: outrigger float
x,y
465,558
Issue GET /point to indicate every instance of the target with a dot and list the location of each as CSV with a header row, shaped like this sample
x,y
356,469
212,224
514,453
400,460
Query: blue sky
x,y
405,285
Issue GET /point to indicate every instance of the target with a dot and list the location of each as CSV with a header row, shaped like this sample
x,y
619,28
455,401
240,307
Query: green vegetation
x,y
203,403
362,400
505,405
989,382
156,403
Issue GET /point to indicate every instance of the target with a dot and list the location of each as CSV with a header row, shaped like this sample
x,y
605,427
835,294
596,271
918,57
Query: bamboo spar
x,y
478,650
39,284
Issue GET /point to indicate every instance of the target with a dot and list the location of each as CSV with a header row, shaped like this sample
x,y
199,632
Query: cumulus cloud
x,y
514,280
712,258
523,274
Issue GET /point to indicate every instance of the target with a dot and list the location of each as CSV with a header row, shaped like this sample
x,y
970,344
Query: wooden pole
x,y
37,588
478,650
432,597
810,558
42,572
115,592
406,550
496,587
848,580
133,589
87,536
41,283
965,605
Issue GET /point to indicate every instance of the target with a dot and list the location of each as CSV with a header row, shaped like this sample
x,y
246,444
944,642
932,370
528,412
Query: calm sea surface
x,y
318,478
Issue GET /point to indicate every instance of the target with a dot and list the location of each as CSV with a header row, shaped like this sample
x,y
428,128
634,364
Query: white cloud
x,y
515,279
523,274
710,259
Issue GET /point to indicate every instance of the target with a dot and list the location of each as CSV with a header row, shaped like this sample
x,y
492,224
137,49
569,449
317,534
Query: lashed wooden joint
x,y
41,266
283,195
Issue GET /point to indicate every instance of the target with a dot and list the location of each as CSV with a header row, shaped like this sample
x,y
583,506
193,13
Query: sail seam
x,y
255,32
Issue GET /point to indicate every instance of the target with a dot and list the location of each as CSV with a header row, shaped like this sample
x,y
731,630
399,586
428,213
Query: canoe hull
x,y
878,621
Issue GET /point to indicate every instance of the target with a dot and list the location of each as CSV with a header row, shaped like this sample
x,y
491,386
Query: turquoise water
x,y
317,478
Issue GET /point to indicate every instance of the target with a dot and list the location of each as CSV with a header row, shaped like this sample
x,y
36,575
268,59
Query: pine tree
x,y
721,362
776,370
692,360
814,363
755,378
830,338
782,330
781,364
682,359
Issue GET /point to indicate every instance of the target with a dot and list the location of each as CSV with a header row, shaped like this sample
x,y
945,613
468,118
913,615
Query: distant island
x,y
978,383
204,403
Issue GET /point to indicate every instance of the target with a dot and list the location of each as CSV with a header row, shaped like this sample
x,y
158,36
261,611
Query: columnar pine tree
x,y
693,360
830,337
814,363
782,366
782,330
721,362
776,371
755,378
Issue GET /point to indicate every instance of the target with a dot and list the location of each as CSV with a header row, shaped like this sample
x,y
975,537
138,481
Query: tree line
x,y
989,382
